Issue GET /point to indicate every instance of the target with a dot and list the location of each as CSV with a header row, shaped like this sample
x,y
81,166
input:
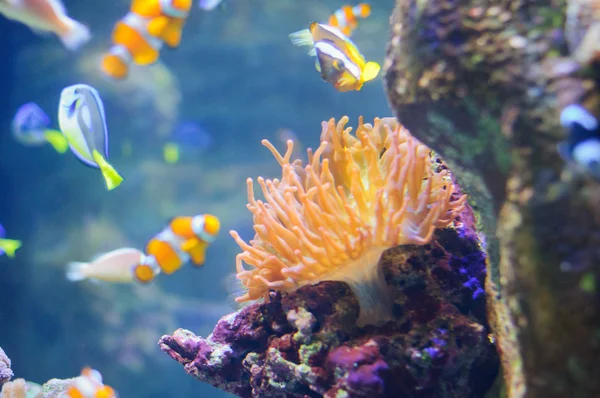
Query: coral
x,y
14,389
306,343
331,219
483,84
5,372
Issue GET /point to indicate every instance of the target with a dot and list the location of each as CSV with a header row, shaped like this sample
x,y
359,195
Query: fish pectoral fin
x,y
198,255
172,35
370,71
58,141
196,249
302,38
189,244
111,176
10,246
157,26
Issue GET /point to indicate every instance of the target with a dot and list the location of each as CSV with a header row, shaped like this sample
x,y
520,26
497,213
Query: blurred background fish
x,y
346,18
89,385
47,16
139,36
30,127
188,139
209,5
8,246
115,266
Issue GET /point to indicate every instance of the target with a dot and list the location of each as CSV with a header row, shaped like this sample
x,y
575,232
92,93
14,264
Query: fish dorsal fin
x,y
370,71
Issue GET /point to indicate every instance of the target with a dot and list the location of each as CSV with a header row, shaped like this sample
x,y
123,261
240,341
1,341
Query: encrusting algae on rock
x,y
331,219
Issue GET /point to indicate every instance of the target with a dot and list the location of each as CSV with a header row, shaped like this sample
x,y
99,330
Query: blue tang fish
x,y
82,121
8,246
30,126
186,137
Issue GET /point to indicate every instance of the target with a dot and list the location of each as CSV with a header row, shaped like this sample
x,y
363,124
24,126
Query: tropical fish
x,y
115,266
139,36
8,246
186,138
209,5
30,127
47,16
89,385
346,18
582,146
184,239
338,58
82,121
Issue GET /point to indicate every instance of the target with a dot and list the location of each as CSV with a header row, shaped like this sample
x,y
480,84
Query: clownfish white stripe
x,y
167,8
122,52
329,49
167,236
151,262
140,25
577,114
198,228
340,15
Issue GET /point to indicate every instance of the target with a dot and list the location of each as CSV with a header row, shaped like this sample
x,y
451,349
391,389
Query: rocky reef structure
x,y
483,84
5,372
306,342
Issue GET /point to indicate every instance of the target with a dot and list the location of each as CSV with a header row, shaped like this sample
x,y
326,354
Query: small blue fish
x,y
82,121
187,137
30,126
582,146
8,246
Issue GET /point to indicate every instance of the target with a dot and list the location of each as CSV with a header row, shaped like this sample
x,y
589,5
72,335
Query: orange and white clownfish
x,y
184,239
346,18
167,18
139,36
89,385
338,59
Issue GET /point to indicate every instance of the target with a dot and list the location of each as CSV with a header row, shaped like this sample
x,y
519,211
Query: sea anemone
x,y
332,219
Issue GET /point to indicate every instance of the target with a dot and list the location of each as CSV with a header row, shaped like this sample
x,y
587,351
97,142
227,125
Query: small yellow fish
x,y
171,153
47,16
9,247
338,58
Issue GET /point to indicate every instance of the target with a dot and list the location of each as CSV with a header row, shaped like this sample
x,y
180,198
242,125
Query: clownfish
x,y
346,18
140,35
184,239
582,146
338,58
89,385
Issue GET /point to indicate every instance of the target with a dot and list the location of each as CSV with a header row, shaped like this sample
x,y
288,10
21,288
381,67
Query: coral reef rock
x,y
5,372
307,343
483,84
